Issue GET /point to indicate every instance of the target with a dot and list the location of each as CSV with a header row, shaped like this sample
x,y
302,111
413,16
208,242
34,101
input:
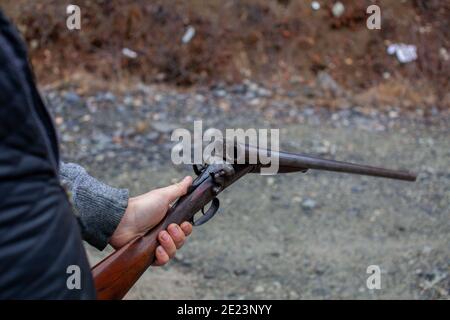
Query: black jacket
x,y
39,235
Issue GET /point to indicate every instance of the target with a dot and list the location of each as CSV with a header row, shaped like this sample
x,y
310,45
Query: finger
x,y
177,235
167,243
187,228
176,190
161,257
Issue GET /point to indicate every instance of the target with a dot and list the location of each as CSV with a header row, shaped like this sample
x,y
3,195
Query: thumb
x,y
176,190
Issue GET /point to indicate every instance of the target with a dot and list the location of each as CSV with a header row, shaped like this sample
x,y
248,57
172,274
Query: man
x,y
40,232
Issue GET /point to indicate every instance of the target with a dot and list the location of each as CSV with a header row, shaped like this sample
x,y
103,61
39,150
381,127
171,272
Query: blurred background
x,y
285,42
139,69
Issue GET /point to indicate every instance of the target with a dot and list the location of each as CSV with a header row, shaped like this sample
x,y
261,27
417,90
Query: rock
x,y
59,121
240,272
200,98
164,127
188,35
131,54
354,212
106,96
128,100
239,89
220,93
393,114
67,138
308,112
102,140
262,92
274,197
338,9
404,52
432,278
259,289
327,83
86,118
109,97
324,147
309,204
255,102
72,98
277,285
253,87
152,135
308,91
292,94
444,54
315,5
357,189
275,254
224,105
426,250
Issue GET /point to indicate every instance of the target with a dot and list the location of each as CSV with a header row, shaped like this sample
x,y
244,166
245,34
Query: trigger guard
x,y
215,203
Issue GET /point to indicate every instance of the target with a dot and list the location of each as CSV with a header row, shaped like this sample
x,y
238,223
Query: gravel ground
x,y
296,236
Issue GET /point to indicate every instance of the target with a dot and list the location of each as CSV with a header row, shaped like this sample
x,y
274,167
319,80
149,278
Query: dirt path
x,y
287,237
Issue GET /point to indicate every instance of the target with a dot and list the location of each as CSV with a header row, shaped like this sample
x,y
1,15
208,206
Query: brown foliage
x,y
269,41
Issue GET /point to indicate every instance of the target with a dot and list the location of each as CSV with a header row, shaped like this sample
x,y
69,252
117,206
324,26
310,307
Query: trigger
x,y
208,214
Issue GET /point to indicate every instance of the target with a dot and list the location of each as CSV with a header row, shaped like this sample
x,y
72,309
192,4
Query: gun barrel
x,y
305,161
290,162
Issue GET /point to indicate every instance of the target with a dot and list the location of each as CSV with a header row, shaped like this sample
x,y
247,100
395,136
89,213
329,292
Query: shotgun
x,y
118,272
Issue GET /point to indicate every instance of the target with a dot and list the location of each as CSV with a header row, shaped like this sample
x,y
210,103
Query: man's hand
x,y
146,211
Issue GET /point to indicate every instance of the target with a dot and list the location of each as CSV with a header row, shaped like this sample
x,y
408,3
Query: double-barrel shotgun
x,y
118,272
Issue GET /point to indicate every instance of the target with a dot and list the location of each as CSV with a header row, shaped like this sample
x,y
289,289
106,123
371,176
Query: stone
x,y
338,9
309,204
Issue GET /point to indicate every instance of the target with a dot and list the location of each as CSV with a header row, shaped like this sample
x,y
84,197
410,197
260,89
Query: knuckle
x,y
172,226
179,245
162,261
179,242
181,190
164,237
171,249
178,186
181,236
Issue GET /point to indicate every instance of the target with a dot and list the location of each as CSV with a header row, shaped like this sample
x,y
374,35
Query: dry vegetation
x,y
283,42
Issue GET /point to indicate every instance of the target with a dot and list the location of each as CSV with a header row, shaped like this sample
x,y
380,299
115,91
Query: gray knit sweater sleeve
x,y
98,207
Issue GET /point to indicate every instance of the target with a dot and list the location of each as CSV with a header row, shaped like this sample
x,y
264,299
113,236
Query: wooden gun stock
x,y
118,272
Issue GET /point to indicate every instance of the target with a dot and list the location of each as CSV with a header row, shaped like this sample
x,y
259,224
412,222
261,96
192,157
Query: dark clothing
x,y
39,235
